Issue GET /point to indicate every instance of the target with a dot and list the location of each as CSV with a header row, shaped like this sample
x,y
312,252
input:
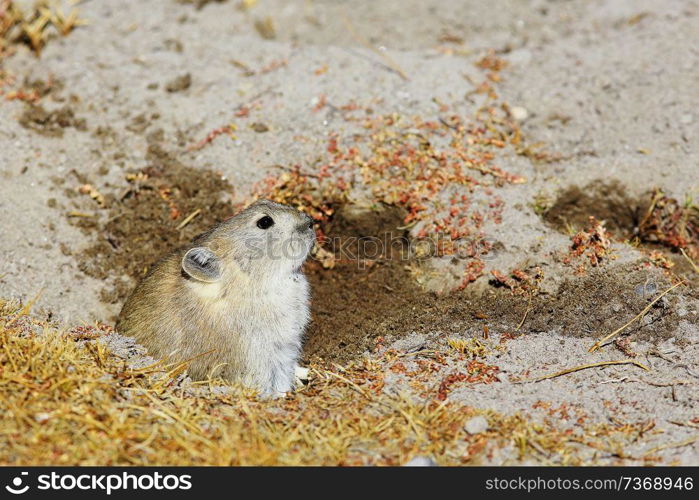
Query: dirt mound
x,y
360,300
370,295
359,303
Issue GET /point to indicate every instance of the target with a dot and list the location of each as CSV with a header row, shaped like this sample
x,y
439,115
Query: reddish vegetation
x,y
477,373
590,246
481,373
508,336
671,224
446,384
214,133
410,163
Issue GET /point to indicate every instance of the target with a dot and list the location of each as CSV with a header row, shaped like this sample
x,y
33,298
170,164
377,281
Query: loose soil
x,y
141,222
355,308
50,123
666,226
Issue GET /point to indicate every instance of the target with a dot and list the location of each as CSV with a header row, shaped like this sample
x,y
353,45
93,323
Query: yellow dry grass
x,y
65,399
35,26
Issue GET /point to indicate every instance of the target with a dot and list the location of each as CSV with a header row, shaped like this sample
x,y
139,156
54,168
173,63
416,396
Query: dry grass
x,y
35,26
66,399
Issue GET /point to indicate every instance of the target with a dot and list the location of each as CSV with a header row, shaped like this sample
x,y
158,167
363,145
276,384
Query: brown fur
x,y
246,324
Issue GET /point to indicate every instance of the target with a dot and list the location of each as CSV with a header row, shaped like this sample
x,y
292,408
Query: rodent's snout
x,y
306,223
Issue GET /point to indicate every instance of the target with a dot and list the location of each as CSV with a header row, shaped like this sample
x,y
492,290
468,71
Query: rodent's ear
x,y
202,264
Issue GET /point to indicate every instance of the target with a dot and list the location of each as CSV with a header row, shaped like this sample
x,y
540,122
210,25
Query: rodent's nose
x,y
306,224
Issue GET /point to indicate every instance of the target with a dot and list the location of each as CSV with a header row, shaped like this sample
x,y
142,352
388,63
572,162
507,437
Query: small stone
x,y
519,113
265,27
686,119
259,127
421,462
182,82
476,425
42,417
646,289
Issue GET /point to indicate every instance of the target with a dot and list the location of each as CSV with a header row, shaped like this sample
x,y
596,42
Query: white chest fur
x,y
276,333
266,325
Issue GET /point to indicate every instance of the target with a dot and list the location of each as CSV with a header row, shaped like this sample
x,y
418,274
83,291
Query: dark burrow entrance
x,y
653,220
358,301
605,201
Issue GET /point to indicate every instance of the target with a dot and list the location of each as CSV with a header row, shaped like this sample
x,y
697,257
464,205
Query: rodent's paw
x,y
278,395
302,374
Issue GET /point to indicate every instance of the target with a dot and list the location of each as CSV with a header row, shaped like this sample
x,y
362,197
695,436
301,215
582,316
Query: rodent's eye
x,y
265,222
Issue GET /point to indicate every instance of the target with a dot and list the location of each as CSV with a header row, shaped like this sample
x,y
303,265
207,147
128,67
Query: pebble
x,y
421,462
519,113
476,425
42,417
646,290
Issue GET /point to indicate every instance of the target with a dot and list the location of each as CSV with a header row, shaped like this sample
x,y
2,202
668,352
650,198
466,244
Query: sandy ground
x,y
608,85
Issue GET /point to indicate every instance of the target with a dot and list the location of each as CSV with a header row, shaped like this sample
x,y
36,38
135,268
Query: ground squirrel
x,y
234,301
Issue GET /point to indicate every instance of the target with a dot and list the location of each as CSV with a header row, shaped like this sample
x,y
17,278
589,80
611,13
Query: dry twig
x,y
691,262
189,218
584,367
640,315
388,61
686,442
